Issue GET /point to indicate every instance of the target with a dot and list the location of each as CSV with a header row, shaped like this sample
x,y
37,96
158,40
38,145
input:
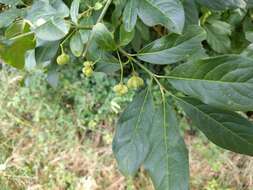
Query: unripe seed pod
x,y
88,71
135,82
62,59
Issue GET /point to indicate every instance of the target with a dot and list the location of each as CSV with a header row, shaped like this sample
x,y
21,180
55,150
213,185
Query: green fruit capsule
x,y
88,71
62,59
135,82
120,89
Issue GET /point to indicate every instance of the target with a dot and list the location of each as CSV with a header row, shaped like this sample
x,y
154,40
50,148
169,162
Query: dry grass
x,y
46,146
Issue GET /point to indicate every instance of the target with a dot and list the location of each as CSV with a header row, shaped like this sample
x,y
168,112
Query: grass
x,y
60,139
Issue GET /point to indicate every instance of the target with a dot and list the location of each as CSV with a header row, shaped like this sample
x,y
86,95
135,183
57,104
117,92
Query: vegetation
x,y
183,60
61,140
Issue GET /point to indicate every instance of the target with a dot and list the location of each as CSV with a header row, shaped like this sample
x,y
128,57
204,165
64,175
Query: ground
x,y
60,139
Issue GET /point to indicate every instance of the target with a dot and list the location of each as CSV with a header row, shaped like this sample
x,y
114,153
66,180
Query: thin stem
x,y
98,21
62,43
121,68
132,65
152,75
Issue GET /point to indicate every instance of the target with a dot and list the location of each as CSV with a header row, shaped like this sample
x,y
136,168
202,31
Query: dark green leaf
x,y
218,33
76,44
167,162
224,81
173,48
52,30
130,15
103,37
222,5
191,12
131,144
227,129
169,13
125,37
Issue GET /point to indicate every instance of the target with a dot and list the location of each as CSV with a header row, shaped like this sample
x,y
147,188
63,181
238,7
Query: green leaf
x,y
248,52
169,13
74,11
218,35
45,10
19,45
106,62
46,52
222,5
249,3
224,81
85,34
103,37
10,2
167,162
7,17
173,48
131,143
16,28
125,37
130,15
76,44
191,12
53,30
227,129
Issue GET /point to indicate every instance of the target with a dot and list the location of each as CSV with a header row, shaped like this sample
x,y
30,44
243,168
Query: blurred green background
x,y
60,138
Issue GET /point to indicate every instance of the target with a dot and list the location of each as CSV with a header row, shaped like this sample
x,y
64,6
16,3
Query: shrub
x,y
197,52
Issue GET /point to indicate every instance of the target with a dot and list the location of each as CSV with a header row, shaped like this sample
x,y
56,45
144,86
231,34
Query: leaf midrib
x,y
217,122
210,81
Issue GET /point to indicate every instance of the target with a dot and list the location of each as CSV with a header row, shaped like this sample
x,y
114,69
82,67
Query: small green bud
x,y
98,6
62,59
120,89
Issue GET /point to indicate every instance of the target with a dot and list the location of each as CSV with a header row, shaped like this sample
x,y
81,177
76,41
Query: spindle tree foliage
x,y
198,53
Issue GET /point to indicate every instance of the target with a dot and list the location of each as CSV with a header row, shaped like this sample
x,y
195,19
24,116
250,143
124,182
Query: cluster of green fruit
x,y
120,89
134,82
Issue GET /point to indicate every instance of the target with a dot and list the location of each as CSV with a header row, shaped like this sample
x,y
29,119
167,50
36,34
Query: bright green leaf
x,y
19,45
